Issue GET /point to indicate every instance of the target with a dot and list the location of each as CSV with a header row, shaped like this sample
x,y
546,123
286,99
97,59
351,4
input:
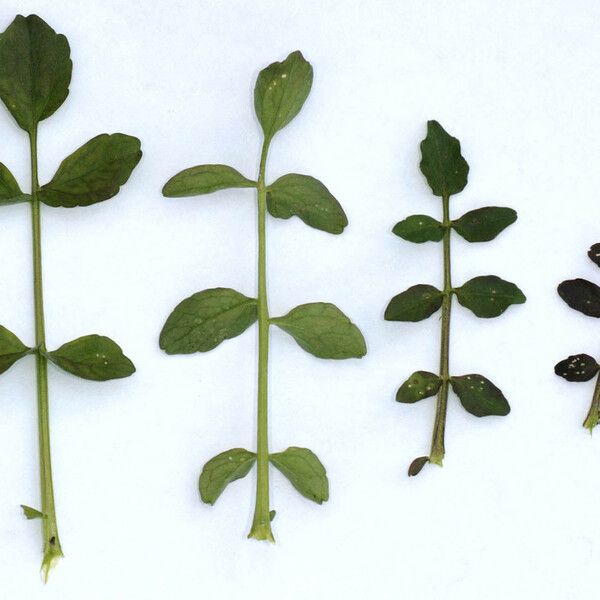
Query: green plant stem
x,y
261,524
52,549
594,413
437,443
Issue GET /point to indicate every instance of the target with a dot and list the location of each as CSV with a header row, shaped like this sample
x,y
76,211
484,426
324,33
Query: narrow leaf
x,y
307,198
489,296
421,384
419,229
417,465
304,471
414,304
94,172
323,330
94,357
204,320
581,295
35,70
31,513
205,179
281,90
579,367
10,192
479,395
221,470
484,224
594,254
442,163
11,349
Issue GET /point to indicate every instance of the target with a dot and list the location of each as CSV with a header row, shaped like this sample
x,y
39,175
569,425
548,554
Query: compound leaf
x,y
581,295
221,470
419,229
205,179
484,224
414,304
489,296
421,384
479,395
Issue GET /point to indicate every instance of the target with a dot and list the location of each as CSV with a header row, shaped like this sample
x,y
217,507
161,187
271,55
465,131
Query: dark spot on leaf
x,y
52,541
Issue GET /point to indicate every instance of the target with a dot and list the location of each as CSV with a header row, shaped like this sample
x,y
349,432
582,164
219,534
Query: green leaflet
x,y
221,470
10,192
11,349
484,224
479,395
420,385
35,70
419,229
205,179
414,304
204,320
94,357
307,198
94,172
31,513
442,163
323,330
304,471
281,90
489,296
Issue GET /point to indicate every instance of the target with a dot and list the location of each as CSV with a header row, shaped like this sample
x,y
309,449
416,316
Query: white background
x,y
514,511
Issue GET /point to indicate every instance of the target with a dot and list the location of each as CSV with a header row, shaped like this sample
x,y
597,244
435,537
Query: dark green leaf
x,y
323,330
484,224
205,179
442,163
221,470
94,357
581,295
10,192
281,90
202,321
580,367
11,349
419,229
35,70
304,471
31,513
417,465
414,304
307,198
94,172
489,296
421,384
594,254
479,395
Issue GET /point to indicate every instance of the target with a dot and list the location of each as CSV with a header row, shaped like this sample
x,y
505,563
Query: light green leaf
x,y
479,395
281,90
484,224
304,471
35,70
442,163
323,330
11,349
416,303
204,320
489,296
205,179
419,229
94,357
10,192
31,513
221,470
307,198
421,384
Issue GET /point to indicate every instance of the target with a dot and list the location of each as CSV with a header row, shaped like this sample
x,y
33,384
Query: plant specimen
x,y
204,320
35,71
584,296
486,296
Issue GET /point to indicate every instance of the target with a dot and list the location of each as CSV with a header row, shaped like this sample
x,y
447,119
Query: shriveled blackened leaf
x,y
489,296
421,384
581,295
414,304
442,163
31,513
205,179
221,470
484,224
272,514
594,253
579,367
11,349
479,395
10,192
419,229
417,465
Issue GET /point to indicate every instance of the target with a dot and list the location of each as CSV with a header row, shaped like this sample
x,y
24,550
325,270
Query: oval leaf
x,y
581,295
417,465
421,384
35,70
489,296
594,254
323,330
94,172
414,304
10,192
484,224
442,163
221,470
205,179
204,320
304,471
94,357
281,90
419,229
11,349
307,198
579,367
479,395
